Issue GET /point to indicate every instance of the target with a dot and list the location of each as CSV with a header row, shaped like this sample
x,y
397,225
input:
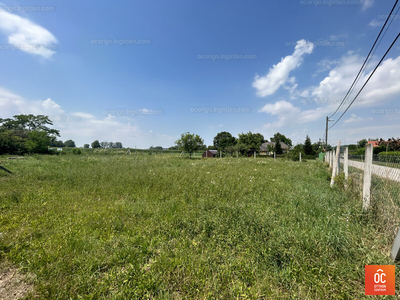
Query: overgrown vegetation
x,y
160,227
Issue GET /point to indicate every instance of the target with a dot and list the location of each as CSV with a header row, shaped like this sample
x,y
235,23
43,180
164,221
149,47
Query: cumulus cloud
x,y
27,36
279,74
383,86
82,127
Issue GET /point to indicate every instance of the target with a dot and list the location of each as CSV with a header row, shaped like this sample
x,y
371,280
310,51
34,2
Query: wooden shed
x,y
210,153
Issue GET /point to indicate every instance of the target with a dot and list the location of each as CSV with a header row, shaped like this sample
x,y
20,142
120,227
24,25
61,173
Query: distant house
x,y
265,151
210,153
374,143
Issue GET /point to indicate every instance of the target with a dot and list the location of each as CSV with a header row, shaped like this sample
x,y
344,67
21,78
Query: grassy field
x,y
160,227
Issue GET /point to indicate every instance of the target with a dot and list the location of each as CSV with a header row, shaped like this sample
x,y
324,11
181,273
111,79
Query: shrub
x,y
76,151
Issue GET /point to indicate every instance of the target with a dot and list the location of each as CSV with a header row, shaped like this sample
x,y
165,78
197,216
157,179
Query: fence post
x,y
331,154
254,154
274,156
237,154
300,156
346,163
335,161
367,176
338,161
395,253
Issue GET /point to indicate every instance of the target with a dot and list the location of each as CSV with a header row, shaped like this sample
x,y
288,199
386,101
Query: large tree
x,y
15,138
281,137
252,141
96,144
190,142
70,144
223,140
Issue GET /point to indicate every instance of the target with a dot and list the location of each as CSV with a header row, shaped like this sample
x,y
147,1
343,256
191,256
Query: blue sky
x,y
143,72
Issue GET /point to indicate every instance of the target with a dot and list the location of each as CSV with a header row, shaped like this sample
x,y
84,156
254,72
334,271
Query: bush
x,y
390,153
76,151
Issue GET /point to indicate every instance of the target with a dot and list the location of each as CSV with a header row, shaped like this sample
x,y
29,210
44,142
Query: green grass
x,y
161,227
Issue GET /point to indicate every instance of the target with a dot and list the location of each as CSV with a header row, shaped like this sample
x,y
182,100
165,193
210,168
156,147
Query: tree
x,y
69,144
96,144
362,143
37,141
86,146
223,140
308,149
104,145
280,137
190,143
278,147
252,141
15,138
118,145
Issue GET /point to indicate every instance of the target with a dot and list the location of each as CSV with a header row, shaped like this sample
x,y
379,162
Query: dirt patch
x,y
13,284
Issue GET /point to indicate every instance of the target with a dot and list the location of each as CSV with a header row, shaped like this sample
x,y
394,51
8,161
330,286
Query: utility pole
x,y
326,134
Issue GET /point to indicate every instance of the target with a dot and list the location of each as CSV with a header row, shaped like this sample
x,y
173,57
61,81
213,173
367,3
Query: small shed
x,y
210,153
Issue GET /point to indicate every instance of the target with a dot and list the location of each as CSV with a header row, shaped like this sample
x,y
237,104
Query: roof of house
x,y
374,143
213,151
264,146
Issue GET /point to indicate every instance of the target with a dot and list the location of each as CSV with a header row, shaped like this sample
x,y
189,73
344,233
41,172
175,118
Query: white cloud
x,y
279,74
25,35
353,118
367,4
82,127
11,104
375,23
383,86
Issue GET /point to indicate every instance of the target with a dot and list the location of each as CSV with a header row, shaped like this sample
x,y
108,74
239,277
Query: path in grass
x,y
174,228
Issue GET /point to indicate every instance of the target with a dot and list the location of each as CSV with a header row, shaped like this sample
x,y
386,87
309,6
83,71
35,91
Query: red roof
x,y
374,143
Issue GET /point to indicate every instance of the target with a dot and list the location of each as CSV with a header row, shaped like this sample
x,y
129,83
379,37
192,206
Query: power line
x,y
365,61
367,79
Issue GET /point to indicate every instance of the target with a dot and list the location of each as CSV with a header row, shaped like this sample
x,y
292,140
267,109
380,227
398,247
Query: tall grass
x,y
160,227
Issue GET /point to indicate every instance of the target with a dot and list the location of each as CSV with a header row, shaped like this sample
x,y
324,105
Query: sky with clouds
x,y
142,72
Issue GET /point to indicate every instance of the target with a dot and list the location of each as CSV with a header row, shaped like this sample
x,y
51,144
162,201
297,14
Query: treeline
x,y
24,134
